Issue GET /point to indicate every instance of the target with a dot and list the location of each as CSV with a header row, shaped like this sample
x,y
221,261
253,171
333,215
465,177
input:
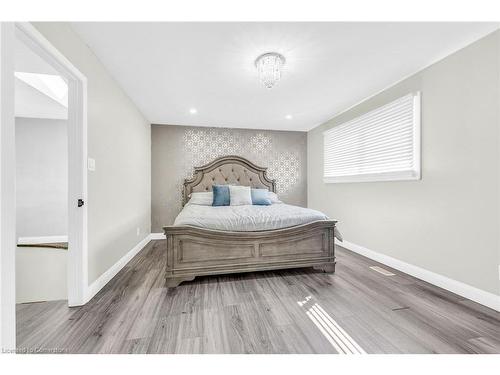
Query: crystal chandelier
x,y
269,67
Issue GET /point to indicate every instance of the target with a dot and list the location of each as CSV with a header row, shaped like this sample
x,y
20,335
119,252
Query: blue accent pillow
x,y
261,197
221,195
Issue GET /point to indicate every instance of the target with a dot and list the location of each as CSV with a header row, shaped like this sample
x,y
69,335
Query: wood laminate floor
x,y
356,310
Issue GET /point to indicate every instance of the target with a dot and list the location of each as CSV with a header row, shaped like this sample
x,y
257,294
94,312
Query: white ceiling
x,y
168,68
29,101
25,60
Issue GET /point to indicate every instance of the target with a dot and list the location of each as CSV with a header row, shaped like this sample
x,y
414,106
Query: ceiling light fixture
x,y
289,117
269,67
193,111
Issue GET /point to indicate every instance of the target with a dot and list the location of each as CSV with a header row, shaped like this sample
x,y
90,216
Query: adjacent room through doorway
x,y
41,110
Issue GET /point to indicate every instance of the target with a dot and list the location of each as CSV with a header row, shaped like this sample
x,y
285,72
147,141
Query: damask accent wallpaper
x,y
176,150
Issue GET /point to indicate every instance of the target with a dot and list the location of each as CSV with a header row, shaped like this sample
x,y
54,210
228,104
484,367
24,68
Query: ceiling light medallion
x,y
269,66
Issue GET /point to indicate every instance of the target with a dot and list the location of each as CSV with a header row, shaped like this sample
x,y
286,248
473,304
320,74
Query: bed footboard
x,y
193,251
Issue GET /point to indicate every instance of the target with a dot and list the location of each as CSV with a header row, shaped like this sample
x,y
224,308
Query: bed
x,y
207,240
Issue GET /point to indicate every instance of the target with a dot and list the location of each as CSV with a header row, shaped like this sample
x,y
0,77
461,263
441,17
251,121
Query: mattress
x,y
247,218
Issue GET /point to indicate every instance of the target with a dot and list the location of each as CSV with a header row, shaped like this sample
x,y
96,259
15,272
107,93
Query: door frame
x,y
7,191
77,157
77,269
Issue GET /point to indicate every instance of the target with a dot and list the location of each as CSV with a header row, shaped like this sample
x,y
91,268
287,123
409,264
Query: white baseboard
x,y
106,277
158,236
477,295
41,239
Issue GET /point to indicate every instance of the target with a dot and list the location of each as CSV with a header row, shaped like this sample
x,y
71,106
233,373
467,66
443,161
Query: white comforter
x,y
247,218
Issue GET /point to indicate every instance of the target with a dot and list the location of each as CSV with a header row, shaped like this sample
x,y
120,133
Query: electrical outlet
x,y
138,230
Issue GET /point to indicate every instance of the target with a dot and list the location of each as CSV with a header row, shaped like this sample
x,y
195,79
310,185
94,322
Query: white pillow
x,y
274,198
205,198
240,195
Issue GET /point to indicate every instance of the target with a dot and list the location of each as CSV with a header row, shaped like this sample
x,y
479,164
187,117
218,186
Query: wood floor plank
x,y
289,311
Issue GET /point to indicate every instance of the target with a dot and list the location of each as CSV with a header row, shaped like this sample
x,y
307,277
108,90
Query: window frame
x,y
406,175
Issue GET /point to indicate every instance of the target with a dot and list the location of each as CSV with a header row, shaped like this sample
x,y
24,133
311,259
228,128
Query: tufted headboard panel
x,y
227,170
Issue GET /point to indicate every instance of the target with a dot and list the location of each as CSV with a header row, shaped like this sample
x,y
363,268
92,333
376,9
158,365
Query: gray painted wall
x,y
41,177
448,222
119,139
177,149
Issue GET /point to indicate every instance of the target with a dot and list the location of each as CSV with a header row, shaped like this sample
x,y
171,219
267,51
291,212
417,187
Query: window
x,y
51,85
381,145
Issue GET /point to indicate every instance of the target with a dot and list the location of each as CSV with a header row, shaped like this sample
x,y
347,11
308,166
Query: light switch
x,y
91,164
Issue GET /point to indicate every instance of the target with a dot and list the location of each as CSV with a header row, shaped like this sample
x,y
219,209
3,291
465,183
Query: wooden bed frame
x,y
193,251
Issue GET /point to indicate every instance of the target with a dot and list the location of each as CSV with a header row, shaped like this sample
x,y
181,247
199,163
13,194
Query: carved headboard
x,y
227,170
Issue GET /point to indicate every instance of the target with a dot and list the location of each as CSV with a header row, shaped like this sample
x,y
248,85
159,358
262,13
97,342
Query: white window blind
x,y
381,145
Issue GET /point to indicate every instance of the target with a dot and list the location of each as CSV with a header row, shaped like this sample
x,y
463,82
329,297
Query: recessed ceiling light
x,y
193,111
289,117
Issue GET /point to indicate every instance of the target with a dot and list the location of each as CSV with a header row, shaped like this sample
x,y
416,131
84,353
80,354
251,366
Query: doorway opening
x,y
41,121
76,256
51,153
